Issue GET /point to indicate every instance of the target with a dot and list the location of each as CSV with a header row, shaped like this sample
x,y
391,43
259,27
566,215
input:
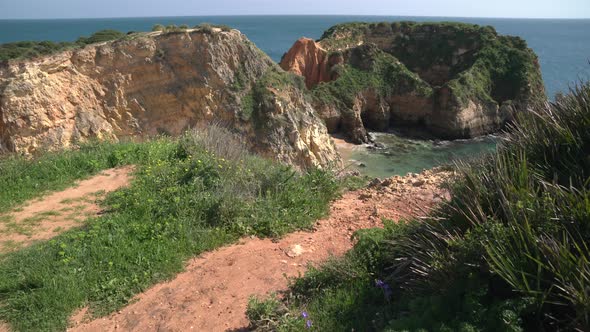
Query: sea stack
x,y
454,80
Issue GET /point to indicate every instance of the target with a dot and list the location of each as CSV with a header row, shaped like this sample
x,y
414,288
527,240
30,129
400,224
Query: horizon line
x,y
292,15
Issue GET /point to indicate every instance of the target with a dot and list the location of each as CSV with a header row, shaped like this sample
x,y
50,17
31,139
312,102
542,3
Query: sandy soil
x,y
212,294
50,215
345,149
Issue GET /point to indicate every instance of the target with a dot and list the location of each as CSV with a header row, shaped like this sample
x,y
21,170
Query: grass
x,y
188,195
6,218
22,179
509,252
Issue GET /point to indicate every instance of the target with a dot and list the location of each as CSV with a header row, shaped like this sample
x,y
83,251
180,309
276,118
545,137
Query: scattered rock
x,y
374,183
418,183
365,196
387,182
375,211
295,251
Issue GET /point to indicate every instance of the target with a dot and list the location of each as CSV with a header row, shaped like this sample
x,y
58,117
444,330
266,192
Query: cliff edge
x,y
160,83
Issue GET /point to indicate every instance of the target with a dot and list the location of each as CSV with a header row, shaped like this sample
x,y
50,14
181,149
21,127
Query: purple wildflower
x,y
387,292
304,314
308,324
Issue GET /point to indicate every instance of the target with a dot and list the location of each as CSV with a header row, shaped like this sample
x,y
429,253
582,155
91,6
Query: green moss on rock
x,y
465,73
384,74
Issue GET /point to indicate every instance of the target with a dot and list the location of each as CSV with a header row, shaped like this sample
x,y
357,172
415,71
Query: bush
x,y
31,49
208,27
217,139
158,27
205,28
101,36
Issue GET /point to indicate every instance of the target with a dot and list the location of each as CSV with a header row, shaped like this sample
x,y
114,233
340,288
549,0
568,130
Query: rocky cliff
x,y
455,80
160,83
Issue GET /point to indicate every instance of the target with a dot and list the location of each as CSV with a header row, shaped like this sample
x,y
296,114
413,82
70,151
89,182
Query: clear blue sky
x,y
132,8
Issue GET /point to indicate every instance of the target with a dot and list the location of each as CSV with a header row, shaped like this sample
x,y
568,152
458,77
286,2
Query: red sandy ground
x,y
213,292
52,214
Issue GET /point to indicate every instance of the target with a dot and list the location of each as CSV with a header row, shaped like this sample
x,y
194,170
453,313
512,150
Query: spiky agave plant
x,y
545,252
522,214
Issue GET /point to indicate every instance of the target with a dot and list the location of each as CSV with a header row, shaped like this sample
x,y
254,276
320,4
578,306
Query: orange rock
x,y
308,59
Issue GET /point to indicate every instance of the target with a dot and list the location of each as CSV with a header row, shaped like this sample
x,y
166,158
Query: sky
x,y
14,9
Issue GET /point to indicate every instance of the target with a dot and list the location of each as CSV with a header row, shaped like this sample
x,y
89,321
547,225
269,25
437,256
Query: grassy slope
x,y
22,179
188,196
510,252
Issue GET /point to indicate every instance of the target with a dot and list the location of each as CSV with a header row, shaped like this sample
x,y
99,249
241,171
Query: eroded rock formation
x,y
308,59
155,83
455,80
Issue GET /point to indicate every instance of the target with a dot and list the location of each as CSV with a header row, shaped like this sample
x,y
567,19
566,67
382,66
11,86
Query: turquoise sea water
x,y
400,155
563,47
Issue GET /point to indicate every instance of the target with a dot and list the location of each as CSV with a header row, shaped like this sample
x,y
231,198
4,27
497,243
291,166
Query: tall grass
x,y
509,252
188,195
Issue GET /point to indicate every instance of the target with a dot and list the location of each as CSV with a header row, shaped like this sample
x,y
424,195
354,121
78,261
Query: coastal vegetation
x,y
382,73
508,252
491,68
33,49
204,27
189,195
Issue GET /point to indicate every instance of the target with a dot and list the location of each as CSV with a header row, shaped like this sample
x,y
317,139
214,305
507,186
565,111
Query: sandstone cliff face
x,y
455,80
150,84
308,59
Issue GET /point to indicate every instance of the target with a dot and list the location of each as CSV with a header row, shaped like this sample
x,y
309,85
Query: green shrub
x,y
101,36
188,195
158,27
205,28
32,49
208,27
521,216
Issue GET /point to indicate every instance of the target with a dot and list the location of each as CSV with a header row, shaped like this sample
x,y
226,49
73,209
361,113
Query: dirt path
x,y
212,294
50,215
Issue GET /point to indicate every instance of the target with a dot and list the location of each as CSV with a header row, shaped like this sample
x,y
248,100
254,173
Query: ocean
x,y
563,47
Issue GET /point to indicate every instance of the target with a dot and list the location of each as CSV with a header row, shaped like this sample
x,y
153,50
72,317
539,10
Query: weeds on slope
x,y
188,195
509,252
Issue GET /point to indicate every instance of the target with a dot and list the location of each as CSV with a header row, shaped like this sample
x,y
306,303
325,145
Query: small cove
x,y
400,155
